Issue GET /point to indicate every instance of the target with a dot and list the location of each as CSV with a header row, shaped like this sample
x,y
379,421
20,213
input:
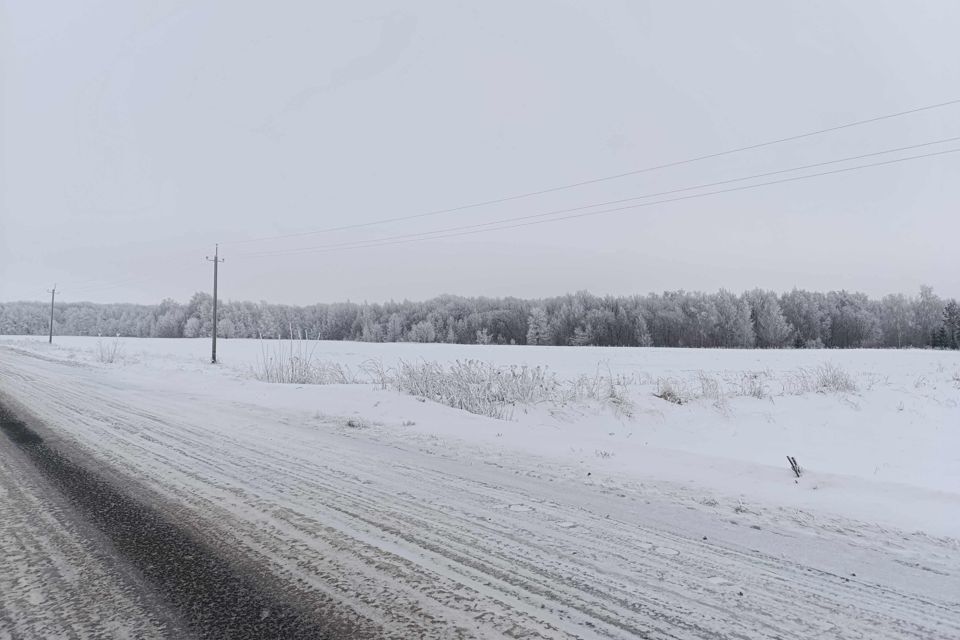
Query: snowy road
x,y
56,579
173,583
342,526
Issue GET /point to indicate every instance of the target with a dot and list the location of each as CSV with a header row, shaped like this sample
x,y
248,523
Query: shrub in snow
x,y
826,378
753,384
712,389
471,385
475,386
606,389
484,389
110,351
672,391
292,362
832,378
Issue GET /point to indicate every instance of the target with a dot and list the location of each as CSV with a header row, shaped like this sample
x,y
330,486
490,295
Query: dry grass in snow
x,y
497,391
472,385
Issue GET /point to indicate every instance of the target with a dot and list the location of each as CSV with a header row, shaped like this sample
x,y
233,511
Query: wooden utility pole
x,y
216,260
53,294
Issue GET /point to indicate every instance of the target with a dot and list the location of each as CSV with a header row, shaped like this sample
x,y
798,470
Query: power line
x,y
426,234
631,199
590,181
480,227
472,229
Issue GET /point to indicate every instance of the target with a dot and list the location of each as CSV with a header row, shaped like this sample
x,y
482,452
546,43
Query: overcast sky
x,y
135,135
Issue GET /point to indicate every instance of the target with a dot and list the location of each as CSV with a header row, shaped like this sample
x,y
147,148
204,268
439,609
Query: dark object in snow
x,y
670,396
793,465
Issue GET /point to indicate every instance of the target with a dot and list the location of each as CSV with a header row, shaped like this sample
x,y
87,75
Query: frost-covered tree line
x,y
757,318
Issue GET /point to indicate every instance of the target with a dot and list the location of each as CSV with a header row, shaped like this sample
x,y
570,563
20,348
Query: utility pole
x,y
53,294
216,260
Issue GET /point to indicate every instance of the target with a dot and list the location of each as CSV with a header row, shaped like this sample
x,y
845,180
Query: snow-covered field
x,y
589,518
887,452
